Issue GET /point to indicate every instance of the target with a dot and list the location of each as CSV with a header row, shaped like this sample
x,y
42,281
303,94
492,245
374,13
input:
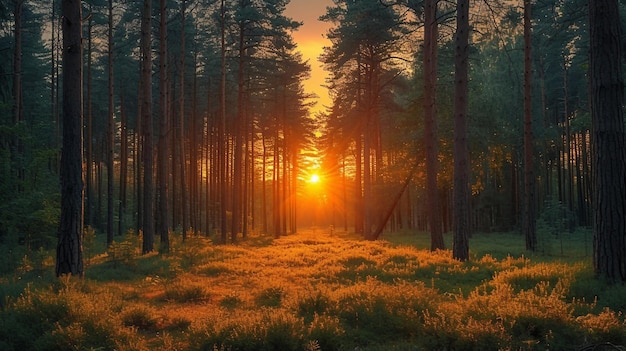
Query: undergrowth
x,y
310,292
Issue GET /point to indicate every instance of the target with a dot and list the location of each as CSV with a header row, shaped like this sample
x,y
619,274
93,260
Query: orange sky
x,y
310,39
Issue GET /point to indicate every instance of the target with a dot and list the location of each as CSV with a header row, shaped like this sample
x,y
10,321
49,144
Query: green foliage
x,y
124,252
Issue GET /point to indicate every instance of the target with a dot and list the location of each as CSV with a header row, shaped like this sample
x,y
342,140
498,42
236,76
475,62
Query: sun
x,y
314,178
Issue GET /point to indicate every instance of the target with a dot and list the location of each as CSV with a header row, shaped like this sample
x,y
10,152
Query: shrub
x,y
313,304
185,291
270,297
141,317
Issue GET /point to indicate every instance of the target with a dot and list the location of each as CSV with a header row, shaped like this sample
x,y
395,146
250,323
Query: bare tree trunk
x,y
54,81
181,130
17,91
238,131
264,185
193,152
148,155
222,140
110,132
163,162
609,152
460,250
89,193
529,217
123,166
69,258
430,123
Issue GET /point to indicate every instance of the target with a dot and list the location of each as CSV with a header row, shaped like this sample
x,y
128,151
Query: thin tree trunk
x,y
529,216
430,123
193,152
460,249
54,82
17,91
163,148
110,132
264,185
222,140
89,195
181,131
237,130
123,166
148,155
138,161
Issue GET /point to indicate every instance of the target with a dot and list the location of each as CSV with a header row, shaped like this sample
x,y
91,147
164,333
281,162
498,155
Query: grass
x,y
311,291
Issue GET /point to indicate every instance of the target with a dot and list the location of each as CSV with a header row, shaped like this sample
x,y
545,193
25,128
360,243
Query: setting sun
x,y
314,178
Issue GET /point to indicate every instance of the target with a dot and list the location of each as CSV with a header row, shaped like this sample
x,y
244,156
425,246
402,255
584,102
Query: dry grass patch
x,y
311,291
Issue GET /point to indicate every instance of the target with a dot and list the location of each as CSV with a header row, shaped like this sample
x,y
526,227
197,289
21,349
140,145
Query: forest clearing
x,y
316,291
159,161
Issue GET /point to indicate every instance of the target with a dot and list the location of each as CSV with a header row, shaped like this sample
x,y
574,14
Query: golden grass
x,y
313,291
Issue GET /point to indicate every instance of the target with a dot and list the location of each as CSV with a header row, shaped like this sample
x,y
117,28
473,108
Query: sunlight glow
x,y
314,178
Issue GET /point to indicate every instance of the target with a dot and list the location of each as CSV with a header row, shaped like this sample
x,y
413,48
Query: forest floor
x,y
317,290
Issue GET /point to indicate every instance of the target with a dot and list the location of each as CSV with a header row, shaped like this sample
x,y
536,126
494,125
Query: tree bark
x,y
110,131
69,258
609,153
123,166
222,139
460,250
181,127
430,123
163,162
529,216
89,184
148,158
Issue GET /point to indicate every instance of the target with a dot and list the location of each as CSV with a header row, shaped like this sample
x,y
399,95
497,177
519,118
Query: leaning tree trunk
x,y
609,153
69,248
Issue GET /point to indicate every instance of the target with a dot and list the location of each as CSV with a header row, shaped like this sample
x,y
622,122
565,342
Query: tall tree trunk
x,y
264,185
17,91
529,216
460,249
222,139
54,81
181,126
174,145
238,130
123,166
163,162
609,152
193,151
138,161
110,130
89,193
69,258
277,203
430,123
148,154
